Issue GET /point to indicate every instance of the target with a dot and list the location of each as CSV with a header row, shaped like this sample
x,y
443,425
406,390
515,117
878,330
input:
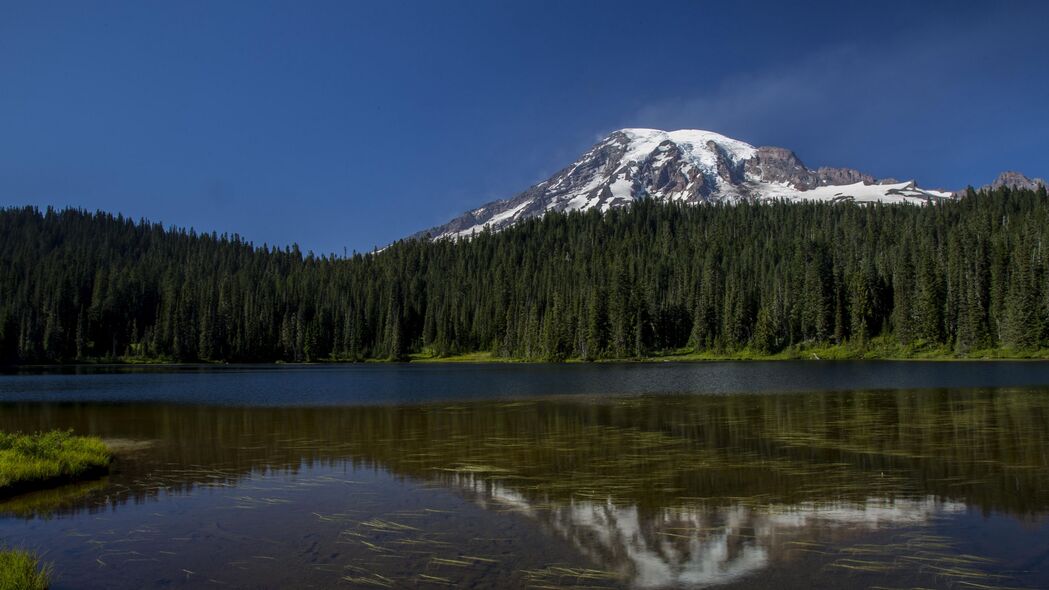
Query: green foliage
x,y
651,279
30,459
19,570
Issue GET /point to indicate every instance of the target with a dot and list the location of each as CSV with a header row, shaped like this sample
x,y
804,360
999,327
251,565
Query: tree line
x,y
965,275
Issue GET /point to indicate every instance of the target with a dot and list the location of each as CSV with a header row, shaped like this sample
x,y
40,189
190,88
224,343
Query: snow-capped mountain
x,y
688,165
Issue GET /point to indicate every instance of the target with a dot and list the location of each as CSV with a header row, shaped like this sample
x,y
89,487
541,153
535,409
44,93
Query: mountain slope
x,y
687,165
1015,180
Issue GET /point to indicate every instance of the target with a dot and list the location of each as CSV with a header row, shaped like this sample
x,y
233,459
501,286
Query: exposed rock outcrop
x,y
689,166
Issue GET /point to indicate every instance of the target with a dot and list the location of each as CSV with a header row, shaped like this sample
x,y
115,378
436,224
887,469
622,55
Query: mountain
x,y
1013,179
688,165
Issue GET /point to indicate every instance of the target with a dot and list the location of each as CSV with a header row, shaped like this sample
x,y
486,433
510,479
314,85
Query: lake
x,y
728,475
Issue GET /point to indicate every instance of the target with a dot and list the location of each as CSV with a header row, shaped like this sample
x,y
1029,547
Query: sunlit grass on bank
x,y
33,461
878,348
20,570
469,357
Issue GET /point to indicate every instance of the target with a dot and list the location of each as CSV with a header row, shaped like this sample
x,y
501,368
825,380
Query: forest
x,y
960,278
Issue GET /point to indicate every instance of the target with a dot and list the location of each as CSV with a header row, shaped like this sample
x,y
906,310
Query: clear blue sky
x,y
351,124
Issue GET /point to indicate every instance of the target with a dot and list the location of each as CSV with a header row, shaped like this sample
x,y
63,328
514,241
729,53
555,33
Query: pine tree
x,y
967,274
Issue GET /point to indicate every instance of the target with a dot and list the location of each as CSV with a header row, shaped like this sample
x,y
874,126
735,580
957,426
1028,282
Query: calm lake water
x,y
729,475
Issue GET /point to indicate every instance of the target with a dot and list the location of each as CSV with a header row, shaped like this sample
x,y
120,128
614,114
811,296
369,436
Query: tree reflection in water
x,y
659,491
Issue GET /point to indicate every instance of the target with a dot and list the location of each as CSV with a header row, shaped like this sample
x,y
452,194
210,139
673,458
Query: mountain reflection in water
x,y
700,546
651,492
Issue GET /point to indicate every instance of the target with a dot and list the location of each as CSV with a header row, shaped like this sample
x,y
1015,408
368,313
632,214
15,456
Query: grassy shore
x,y
20,570
31,462
875,349
880,348
34,461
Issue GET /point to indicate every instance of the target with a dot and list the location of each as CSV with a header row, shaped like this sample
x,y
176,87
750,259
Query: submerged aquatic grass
x,y
29,461
739,450
20,570
846,484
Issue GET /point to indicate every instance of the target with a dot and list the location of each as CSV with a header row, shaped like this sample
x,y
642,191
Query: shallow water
x,y
415,478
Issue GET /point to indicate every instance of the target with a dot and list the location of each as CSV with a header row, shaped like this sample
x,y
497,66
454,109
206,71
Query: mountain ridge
x,y
685,165
1013,179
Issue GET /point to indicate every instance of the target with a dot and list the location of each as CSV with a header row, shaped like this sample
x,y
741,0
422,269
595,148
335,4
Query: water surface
x,y
627,476
284,385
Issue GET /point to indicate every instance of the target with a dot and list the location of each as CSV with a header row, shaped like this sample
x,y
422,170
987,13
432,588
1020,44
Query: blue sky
x,y
350,124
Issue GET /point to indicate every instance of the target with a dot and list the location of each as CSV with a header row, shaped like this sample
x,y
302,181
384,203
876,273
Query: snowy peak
x,y
687,165
703,148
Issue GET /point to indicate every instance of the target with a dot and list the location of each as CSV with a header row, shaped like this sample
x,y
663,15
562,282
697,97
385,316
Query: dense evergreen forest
x,y
962,276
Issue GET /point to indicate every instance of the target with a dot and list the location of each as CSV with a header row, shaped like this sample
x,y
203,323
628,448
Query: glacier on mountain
x,y
687,165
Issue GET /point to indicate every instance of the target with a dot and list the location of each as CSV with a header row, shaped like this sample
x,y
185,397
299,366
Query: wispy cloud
x,y
838,88
748,104
924,93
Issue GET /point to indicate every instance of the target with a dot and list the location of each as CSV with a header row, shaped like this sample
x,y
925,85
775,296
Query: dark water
x,y
875,475
391,383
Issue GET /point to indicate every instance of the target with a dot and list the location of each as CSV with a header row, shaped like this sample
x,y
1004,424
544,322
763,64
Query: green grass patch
x,y
20,570
877,348
469,357
34,461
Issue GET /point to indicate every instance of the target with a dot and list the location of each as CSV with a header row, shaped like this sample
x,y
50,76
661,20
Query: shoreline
x,y
31,462
814,355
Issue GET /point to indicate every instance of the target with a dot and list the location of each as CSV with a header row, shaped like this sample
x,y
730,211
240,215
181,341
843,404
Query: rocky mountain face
x,y
689,166
774,164
1013,179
